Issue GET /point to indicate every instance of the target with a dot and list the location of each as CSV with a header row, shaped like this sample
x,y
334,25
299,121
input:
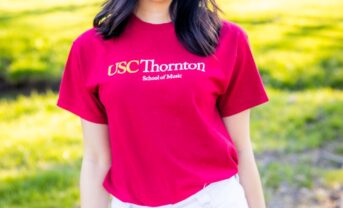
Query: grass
x,y
334,177
296,47
40,155
295,121
34,30
299,44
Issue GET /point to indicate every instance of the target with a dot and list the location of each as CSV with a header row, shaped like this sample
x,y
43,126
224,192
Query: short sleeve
x,y
73,95
245,88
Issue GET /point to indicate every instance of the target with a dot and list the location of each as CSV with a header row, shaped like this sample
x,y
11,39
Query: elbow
x,y
98,159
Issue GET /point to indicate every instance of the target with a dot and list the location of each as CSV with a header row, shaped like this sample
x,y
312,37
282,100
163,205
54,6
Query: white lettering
x,y
151,66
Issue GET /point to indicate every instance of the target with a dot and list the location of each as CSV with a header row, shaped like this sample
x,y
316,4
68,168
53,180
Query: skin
x,y
96,161
238,126
97,156
153,11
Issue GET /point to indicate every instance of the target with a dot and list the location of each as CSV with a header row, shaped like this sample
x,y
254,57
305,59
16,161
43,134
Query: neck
x,y
153,11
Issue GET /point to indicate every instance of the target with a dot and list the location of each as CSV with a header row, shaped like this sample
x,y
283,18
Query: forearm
x,y
250,179
92,193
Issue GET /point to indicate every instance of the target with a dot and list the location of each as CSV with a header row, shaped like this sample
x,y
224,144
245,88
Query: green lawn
x,y
296,42
297,45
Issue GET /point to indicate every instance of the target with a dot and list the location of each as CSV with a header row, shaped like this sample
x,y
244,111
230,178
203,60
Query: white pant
x,y
227,193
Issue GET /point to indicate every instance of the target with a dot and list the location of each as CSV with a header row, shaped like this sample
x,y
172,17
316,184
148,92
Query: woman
x,y
164,90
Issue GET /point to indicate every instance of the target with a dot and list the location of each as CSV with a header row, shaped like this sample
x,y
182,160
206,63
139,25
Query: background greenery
x,y
297,136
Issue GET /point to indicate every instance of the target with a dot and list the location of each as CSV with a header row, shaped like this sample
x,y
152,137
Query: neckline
x,y
149,25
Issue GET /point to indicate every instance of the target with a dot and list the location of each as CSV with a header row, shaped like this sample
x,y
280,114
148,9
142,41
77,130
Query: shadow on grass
x,y
12,91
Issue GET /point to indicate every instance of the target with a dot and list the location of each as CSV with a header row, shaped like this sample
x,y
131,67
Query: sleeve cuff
x,y
244,106
82,114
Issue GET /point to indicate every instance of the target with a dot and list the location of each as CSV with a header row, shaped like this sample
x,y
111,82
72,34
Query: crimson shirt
x,y
163,106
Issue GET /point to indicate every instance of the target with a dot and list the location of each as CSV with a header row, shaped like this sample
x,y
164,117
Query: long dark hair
x,y
197,24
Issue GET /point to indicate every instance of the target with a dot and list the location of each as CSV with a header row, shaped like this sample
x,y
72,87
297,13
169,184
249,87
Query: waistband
x,y
201,196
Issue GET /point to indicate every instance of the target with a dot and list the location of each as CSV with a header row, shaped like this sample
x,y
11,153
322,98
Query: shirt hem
x,y
184,197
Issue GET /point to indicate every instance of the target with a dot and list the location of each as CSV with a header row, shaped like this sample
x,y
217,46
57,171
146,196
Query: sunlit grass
x,y
290,39
40,35
291,121
52,186
40,153
334,177
32,124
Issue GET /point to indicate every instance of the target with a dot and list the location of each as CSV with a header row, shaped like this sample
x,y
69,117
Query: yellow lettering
x,y
128,67
110,73
121,65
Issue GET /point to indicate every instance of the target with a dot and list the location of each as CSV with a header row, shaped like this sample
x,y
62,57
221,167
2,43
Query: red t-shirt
x,y
163,106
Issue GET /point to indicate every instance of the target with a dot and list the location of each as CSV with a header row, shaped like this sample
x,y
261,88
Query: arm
x,y
95,164
238,126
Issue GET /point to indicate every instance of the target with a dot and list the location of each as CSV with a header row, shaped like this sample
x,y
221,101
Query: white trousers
x,y
227,193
